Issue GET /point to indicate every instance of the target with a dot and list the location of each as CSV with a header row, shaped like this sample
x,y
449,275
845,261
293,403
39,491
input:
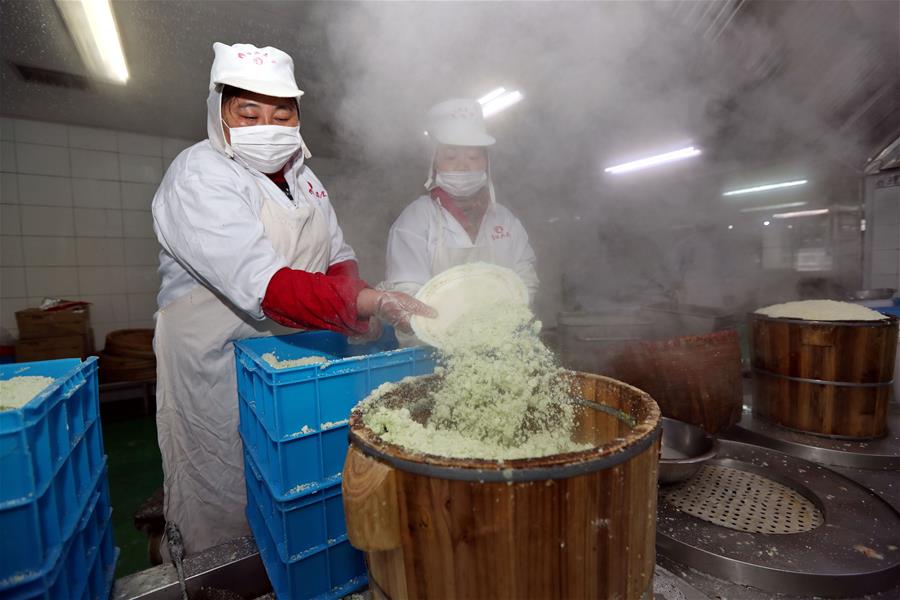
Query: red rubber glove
x,y
348,268
305,300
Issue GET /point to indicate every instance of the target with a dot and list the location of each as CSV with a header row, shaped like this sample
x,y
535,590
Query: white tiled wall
x,y
75,220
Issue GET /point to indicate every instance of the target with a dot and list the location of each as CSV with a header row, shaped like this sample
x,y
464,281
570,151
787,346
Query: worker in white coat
x,y
251,247
458,221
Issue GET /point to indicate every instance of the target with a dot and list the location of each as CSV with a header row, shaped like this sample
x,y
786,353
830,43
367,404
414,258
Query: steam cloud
x,y
604,83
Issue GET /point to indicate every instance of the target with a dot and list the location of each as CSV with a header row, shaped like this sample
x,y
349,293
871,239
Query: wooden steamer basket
x,y
577,525
830,378
696,379
128,356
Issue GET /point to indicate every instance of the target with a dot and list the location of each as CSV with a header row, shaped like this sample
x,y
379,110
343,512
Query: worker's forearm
x,y
366,302
305,300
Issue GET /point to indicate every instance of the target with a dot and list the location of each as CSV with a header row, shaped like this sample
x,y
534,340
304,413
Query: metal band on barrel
x,y
823,381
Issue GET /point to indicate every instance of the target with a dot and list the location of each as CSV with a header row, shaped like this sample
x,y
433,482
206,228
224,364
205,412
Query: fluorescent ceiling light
x,y
772,207
93,28
801,213
499,103
765,188
491,95
766,223
652,161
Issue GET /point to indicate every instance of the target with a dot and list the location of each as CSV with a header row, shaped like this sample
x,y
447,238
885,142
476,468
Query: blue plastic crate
x,y
332,572
73,572
308,523
37,438
294,421
36,529
290,401
303,465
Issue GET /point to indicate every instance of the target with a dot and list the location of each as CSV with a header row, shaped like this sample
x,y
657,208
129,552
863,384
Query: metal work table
x,y
236,566
882,453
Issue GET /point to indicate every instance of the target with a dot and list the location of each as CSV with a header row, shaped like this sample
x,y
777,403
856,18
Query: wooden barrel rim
x,y
887,321
557,466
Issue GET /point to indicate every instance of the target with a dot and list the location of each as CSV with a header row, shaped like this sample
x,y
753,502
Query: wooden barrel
x,y
829,378
577,525
696,379
136,343
128,356
115,368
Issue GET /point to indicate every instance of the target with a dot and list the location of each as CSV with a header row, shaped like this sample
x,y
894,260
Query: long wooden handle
x,y
370,503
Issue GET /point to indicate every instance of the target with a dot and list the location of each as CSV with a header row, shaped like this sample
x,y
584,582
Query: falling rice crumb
x,y
502,396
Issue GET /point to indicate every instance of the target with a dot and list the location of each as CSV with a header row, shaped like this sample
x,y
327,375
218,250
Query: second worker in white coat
x,y
458,221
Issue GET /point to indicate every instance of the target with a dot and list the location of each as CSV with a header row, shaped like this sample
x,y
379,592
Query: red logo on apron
x,y
317,193
499,233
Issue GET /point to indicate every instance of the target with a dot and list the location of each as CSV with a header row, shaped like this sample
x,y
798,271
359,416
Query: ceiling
x,y
749,80
168,47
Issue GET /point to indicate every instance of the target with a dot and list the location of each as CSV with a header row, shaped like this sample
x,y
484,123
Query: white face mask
x,y
265,147
461,184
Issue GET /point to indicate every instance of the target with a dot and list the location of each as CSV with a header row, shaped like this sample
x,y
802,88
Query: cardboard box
x,y
50,348
34,323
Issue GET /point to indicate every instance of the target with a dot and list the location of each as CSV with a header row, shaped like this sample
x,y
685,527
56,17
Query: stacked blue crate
x,y
54,498
293,423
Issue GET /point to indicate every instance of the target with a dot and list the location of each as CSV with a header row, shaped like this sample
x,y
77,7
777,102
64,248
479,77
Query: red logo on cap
x,y
257,57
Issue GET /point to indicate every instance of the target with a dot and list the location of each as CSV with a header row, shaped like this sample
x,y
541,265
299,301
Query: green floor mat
x,y
135,472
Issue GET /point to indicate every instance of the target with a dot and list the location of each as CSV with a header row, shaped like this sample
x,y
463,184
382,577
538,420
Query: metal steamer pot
x,y
591,340
588,341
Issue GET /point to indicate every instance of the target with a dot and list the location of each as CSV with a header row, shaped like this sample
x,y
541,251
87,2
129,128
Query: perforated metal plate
x,y
744,501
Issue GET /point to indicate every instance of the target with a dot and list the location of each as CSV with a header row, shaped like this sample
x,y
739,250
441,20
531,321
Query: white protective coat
x,y
426,240
225,230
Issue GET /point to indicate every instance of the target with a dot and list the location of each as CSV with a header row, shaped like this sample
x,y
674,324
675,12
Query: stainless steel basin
x,y
872,294
685,448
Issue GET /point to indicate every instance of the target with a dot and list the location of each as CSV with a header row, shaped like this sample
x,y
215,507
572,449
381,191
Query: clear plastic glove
x,y
397,308
374,333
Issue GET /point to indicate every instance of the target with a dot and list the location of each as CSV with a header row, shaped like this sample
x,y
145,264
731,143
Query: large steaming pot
x,y
578,525
673,319
696,379
588,341
592,341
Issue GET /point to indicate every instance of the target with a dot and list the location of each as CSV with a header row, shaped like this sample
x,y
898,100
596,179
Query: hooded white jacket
x,y
206,214
416,234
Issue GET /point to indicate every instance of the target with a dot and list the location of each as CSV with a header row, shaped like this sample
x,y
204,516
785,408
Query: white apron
x,y
197,403
446,257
